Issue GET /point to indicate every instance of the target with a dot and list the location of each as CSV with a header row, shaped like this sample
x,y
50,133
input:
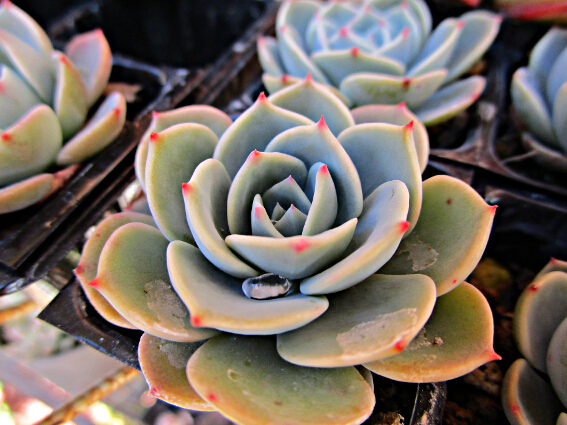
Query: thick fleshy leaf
x,y
16,21
164,365
323,211
25,193
557,361
269,56
260,171
88,265
479,31
450,236
246,380
559,116
16,97
367,89
542,306
545,53
554,265
91,55
423,15
316,143
556,77
285,193
376,318
173,155
70,96
341,63
456,340
30,145
278,212
384,152
132,276
295,257
313,101
379,231
292,222
294,58
297,14
205,205
398,49
526,397
98,133
274,84
34,66
261,223
438,48
531,106
450,100
216,299
210,117
398,115
254,129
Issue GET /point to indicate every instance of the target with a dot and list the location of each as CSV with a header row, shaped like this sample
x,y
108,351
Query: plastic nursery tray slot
x,y
487,135
33,241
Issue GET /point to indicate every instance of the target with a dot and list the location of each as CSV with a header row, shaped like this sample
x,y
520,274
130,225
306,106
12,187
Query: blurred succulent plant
x,y
45,96
539,96
540,331
380,52
534,10
266,243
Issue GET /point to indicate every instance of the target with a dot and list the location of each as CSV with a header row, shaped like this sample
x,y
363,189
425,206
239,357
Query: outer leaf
x,y
246,380
526,397
316,143
215,299
557,361
173,155
398,115
367,89
16,97
376,318
88,265
450,100
211,117
138,287
98,133
91,54
378,233
164,365
542,306
545,53
313,101
456,340
450,236
294,257
30,145
254,129
25,193
205,204
269,56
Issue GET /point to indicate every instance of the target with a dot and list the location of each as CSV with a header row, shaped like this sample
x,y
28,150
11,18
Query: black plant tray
x,y
34,240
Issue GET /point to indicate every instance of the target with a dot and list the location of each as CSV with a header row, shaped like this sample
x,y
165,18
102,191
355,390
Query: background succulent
x,y
539,96
534,10
45,97
320,205
380,52
540,331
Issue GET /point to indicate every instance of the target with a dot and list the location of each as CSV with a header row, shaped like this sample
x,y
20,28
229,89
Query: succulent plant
x,y
539,96
540,331
255,279
380,52
534,10
45,96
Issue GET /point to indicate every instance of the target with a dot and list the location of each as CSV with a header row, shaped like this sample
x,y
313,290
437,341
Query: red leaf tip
x,y
405,32
154,392
494,356
262,97
404,226
343,32
301,245
212,397
154,136
258,211
406,83
195,321
116,112
290,178
409,126
324,169
492,209
533,288
284,79
6,137
95,283
80,269
187,188
309,78
63,59
155,114
354,52
322,124
400,345
402,105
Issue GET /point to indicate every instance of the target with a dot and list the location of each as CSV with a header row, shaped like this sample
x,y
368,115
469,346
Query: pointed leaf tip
x,y
196,321
154,137
354,52
322,124
262,97
402,104
155,114
494,356
308,78
187,188
324,169
400,345
492,209
95,283
405,32
79,269
409,126
404,226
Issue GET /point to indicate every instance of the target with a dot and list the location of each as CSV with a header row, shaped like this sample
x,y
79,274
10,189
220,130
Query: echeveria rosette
x,y
539,96
540,332
326,204
45,96
380,52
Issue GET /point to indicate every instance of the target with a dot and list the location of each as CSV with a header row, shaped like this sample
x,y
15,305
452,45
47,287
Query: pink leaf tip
x,y
322,124
284,79
258,211
301,245
262,97
409,126
155,114
400,345
80,269
290,178
354,51
494,356
154,137
324,169
187,188
402,104
405,32
343,32
492,209
6,137
212,397
195,321
95,283
309,78
403,226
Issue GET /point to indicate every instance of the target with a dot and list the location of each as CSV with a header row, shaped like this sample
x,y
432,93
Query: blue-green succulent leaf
x,y
292,222
323,211
261,223
285,193
545,53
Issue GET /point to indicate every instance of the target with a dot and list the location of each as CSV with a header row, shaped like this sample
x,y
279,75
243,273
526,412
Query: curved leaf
x,y
323,211
556,361
25,193
16,97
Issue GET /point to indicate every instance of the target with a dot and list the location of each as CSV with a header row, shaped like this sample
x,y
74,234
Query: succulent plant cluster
x,y
45,96
540,331
539,96
282,251
380,52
